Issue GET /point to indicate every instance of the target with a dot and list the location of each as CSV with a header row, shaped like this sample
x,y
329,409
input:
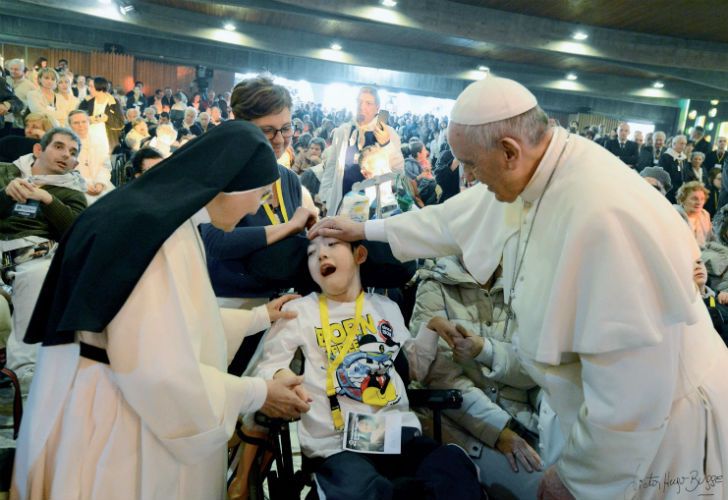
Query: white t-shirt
x,y
366,372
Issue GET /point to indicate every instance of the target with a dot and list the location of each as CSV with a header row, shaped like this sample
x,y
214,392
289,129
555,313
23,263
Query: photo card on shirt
x,y
373,433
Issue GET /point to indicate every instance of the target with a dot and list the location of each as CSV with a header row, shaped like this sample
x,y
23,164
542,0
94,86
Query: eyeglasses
x,y
270,132
268,195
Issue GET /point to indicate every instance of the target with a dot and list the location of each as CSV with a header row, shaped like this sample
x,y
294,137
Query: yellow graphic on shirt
x,y
366,373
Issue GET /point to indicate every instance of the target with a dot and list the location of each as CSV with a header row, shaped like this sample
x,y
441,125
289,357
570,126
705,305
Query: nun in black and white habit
x,y
131,396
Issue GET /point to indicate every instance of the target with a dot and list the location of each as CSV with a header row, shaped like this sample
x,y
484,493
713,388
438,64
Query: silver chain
x,y
519,262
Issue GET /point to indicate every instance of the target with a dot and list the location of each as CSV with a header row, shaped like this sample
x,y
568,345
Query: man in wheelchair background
x,y
40,197
350,340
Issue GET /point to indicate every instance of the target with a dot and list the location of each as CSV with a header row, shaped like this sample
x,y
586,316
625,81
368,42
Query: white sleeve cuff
x,y
256,390
374,230
261,319
486,354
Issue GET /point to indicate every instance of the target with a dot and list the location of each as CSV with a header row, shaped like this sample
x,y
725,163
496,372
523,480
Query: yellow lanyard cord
x,y
334,364
712,301
269,211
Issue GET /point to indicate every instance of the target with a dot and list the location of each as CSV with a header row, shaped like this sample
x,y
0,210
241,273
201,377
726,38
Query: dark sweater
x,y
226,252
52,220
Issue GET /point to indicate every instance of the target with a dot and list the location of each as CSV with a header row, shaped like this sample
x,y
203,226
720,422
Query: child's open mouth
x,y
327,270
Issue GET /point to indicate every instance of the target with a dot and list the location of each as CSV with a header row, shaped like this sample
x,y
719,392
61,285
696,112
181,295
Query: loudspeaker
x,y
113,48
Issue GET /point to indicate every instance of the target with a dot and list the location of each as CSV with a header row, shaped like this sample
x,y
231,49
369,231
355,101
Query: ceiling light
x,y
125,8
105,2
714,102
571,76
229,26
580,36
389,3
483,68
658,85
335,46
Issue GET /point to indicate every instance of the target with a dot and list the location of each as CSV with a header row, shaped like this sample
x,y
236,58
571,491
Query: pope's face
x,y
490,167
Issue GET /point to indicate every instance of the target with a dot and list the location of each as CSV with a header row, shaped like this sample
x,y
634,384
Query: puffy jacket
x,y
493,395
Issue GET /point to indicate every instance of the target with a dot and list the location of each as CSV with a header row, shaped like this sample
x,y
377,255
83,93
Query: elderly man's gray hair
x,y
677,138
529,127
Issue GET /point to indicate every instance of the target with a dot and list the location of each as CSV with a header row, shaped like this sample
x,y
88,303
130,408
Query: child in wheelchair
x,y
350,340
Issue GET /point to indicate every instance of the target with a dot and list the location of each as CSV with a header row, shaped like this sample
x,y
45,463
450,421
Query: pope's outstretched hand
x,y
341,228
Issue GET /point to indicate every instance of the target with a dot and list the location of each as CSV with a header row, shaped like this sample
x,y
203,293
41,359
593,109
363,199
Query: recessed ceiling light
x,y
105,2
335,46
658,85
483,68
389,3
714,102
229,26
580,36
571,76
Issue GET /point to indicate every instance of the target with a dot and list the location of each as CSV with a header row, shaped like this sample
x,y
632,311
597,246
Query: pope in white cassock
x,y
131,397
598,273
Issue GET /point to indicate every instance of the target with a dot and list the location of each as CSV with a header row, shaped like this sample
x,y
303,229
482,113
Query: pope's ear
x,y
511,148
360,254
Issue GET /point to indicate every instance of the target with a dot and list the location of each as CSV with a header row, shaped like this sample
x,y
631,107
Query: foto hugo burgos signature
x,y
693,483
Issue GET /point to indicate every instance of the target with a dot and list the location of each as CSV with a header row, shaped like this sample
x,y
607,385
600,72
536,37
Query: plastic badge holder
x,y
27,210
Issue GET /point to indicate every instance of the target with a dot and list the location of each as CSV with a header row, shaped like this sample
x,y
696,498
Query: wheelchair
x,y
273,464
13,254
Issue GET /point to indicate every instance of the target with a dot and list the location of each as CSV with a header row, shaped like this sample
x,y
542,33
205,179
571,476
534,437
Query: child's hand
x,y
445,329
274,308
282,400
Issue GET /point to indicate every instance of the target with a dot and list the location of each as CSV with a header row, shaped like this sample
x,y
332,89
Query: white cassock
x,y
609,321
154,424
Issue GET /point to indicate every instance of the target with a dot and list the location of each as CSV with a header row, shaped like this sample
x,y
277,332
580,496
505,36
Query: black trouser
x,y
424,470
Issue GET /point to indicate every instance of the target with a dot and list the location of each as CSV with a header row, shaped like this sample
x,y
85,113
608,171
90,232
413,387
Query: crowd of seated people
x,y
505,425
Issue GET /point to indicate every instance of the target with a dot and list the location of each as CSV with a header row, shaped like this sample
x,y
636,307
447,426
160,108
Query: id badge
x,y
379,433
27,210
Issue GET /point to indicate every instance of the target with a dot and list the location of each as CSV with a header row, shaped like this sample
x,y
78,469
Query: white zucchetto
x,y
490,100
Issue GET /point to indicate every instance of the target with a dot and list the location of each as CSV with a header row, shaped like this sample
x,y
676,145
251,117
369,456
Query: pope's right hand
x,y
341,228
283,399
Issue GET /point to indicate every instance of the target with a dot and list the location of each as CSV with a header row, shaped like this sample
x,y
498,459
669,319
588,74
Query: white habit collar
x,y
537,184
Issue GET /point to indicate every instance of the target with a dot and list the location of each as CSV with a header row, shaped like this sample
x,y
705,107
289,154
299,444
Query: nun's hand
x,y
303,219
275,311
341,228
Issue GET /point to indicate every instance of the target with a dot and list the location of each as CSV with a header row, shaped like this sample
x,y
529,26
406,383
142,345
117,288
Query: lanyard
x,y
332,365
269,211
712,301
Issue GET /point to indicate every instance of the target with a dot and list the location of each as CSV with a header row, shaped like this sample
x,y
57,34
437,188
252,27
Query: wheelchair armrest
x,y
435,399
271,423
